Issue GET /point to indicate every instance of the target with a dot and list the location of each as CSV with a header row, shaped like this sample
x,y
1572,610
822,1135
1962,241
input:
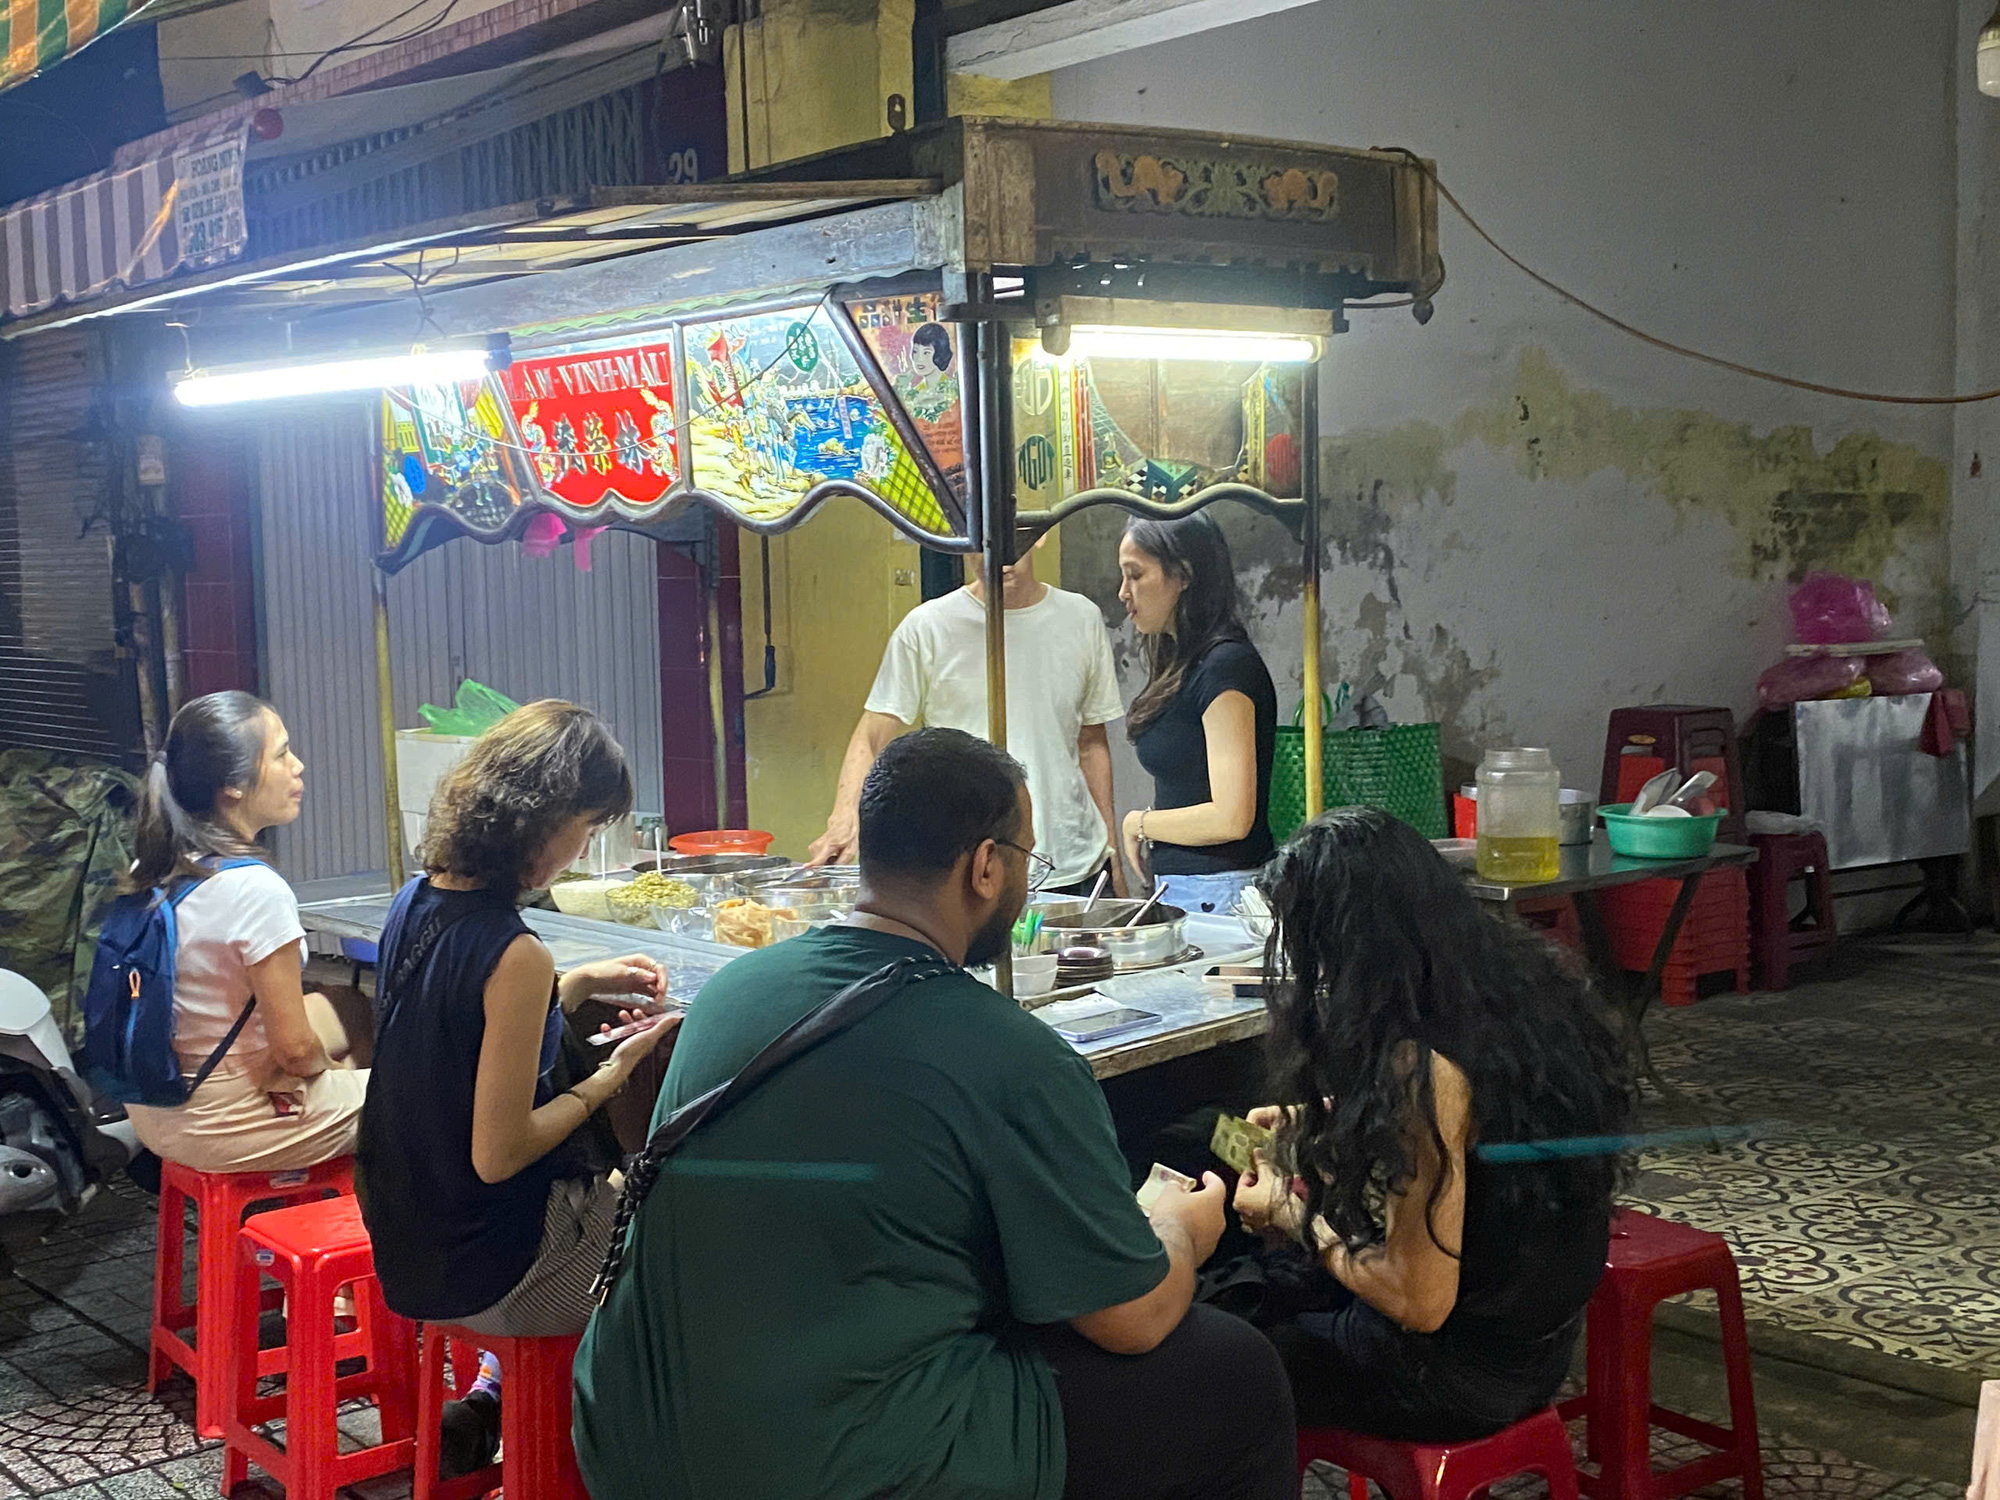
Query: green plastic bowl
x,y
1658,838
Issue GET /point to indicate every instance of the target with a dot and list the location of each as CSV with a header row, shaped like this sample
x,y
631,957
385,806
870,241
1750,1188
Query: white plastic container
x,y
422,758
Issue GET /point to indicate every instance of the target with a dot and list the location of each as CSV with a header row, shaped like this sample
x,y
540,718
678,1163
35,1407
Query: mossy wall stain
x,y
1851,509
1866,506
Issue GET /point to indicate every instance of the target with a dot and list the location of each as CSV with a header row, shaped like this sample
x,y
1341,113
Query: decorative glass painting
x,y
778,404
449,446
920,356
1163,429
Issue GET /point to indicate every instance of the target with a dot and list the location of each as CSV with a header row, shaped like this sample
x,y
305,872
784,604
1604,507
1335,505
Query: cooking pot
x,y
1160,939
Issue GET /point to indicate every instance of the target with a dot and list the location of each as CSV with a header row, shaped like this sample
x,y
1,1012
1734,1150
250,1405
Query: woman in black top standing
x,y
1412,1034
1205,724
482,1209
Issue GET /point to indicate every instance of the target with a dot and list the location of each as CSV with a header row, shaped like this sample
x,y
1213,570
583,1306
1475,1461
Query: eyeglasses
x,y
1040,866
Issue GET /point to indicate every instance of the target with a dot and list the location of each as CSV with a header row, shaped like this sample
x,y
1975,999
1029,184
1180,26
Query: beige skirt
x,y
247,1119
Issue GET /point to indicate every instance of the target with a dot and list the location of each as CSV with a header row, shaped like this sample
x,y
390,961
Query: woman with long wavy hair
x,y
280,1096
1410,1031
1205,725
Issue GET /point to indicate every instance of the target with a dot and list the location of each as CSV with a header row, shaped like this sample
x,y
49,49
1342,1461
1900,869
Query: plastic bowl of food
x,y
589,897
722,841
1658,838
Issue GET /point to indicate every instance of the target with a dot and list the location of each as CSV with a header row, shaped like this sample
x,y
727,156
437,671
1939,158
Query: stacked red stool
x,y
1642,742
314,1251
1651,1260
537,1458
1714,936
221,1200
1778,939
1441,1471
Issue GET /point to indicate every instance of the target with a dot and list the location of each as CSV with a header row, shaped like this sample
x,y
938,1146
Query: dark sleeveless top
x,y
1531,1255
447,1245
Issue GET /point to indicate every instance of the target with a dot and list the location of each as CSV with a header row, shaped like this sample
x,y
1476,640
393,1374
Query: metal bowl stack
x,y
1083,965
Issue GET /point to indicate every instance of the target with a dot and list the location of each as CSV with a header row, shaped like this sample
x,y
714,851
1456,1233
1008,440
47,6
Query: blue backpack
x,y
128,1011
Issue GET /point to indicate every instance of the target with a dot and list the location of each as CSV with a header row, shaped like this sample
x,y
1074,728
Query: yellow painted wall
x,y
818,75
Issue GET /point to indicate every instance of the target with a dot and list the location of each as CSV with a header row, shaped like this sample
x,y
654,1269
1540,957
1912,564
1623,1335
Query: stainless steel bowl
x,y
681,866
1160,939
754,883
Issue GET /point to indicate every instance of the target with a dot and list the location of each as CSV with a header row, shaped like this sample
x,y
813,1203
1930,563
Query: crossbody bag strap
x,y
860,999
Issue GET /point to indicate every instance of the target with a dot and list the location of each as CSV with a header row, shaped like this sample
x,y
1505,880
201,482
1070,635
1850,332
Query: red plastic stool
x,y
536,1456
313,1251
1651,1260
1777,939
1714,937
1439,1471
221,1200
1642,742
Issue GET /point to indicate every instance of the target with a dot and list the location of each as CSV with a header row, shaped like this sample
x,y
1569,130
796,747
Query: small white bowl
x,y
1034,975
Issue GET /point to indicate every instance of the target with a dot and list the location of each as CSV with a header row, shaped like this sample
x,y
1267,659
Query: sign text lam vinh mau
x,y
598,425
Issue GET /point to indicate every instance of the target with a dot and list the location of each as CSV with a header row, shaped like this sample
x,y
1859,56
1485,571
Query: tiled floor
x,y
1871,1216
1867,1208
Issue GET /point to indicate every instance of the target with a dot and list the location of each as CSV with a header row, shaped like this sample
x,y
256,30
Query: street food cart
x,y
977,329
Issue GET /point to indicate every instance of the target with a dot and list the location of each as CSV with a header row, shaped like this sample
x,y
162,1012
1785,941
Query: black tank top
x,y
447,1245
1531,1253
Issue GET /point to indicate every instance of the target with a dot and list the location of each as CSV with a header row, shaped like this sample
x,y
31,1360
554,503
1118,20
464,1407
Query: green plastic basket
x,y
1398,769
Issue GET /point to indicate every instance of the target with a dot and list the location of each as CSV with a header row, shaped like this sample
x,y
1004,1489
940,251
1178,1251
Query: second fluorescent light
x,y
276,382
1108,341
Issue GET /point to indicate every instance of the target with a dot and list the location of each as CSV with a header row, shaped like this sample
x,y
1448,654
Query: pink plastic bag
x,y
1903,672
1799,679
1829,609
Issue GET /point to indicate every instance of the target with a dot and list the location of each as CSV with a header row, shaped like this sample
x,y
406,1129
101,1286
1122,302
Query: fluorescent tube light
x,y
1112,342
275,382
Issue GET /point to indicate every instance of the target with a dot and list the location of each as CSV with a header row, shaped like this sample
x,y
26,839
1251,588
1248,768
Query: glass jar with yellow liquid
x,y
1520,817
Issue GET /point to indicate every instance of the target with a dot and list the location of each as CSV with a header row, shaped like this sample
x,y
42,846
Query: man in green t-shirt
x,y
910,1263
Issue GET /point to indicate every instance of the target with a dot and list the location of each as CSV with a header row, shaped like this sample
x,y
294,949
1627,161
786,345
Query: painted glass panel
x,y
778,405
1161,429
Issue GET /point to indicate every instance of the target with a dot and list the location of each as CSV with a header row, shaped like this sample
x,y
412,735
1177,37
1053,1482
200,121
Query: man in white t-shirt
x,y
1062,690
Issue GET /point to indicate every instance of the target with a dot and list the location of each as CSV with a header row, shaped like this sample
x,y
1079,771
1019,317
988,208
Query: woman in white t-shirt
x,y
278,1099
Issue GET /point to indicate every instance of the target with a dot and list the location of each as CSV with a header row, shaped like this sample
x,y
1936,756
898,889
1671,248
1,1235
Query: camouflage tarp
x,y
65,843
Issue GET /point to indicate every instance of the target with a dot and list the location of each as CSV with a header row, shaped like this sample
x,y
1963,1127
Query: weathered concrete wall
x,y
1535,518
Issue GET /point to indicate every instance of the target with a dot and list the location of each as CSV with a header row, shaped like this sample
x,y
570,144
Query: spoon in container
x,y
1159,890
1103,879
1695,785
1654,792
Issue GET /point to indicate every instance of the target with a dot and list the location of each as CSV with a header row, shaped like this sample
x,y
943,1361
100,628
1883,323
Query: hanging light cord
x,y
1548,284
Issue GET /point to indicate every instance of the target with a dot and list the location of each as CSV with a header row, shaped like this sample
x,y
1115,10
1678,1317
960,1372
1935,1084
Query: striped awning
x,y
121,229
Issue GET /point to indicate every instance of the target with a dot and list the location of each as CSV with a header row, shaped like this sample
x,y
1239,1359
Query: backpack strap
x,y
173,899
859,999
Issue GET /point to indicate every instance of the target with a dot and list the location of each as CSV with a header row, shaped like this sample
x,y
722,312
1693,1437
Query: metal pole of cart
x,y
385,707
1309,490
996,505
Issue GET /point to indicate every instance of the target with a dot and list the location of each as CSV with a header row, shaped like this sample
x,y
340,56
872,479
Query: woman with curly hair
x,y
482,1209
1411,1031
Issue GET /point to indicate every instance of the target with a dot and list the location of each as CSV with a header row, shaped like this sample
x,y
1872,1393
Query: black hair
x,y
934,338
1379,958
216,741
1194,550
933,796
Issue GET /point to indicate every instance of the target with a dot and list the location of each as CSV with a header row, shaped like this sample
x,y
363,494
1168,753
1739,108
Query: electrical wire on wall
x,y
1549,284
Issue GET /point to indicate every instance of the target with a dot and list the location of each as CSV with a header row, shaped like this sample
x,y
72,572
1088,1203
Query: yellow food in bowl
x,y
747,924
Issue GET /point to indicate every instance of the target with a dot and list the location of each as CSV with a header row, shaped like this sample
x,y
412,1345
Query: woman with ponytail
x,y
278,1099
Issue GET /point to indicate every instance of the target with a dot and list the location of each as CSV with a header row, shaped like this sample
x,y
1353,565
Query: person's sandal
x,y
469,1435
